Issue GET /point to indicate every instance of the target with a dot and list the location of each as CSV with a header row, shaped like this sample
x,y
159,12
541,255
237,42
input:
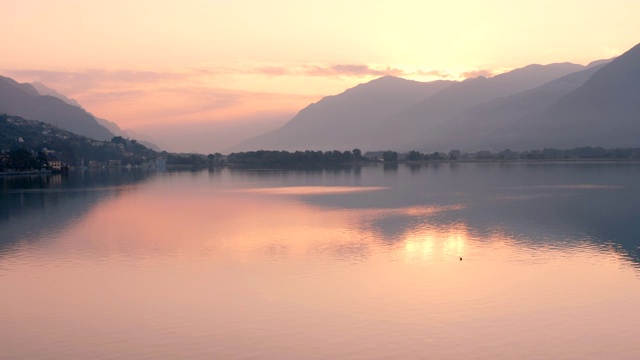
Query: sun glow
x,y
156,64
433,243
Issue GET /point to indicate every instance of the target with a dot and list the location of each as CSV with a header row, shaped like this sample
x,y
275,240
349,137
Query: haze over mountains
x,y
45,90
38,102
557,105
605,111
24,100
560,105
477,126
423,118
336,121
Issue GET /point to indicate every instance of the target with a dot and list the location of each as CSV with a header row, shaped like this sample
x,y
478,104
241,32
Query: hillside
x,y
341,121
416,127
24,100
42,89
392,113
472,128
73,149
603,111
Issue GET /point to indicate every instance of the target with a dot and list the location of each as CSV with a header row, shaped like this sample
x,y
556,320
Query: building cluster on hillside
x,y
159,164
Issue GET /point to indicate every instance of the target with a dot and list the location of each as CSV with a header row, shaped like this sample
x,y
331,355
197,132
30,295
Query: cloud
x,y
357,70
273,71
477,73
112,95
72,83
434,73
77,82
94,75
203,93
132,97
324,70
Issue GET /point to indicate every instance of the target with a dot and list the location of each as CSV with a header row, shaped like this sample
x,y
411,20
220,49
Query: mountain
x,y
339,121
398,114
115,129
603,111
25,101
42,89
143,139
471,129
415,126
481,89
66,146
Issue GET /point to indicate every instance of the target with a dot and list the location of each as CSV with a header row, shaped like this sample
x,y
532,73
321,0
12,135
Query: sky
x,y
219,70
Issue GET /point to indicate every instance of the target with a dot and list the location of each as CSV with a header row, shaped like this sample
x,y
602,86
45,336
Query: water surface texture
x,y
358,263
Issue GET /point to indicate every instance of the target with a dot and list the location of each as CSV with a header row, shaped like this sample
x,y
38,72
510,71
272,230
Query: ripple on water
x,y
178,270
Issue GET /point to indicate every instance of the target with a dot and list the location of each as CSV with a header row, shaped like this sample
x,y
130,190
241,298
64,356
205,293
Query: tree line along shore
x,y
19,159
29,145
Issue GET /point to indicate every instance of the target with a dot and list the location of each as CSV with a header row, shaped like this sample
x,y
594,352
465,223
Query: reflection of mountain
x,y
540,204
34,207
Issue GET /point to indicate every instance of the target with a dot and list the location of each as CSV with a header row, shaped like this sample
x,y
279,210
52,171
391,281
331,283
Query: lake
x,y
354,263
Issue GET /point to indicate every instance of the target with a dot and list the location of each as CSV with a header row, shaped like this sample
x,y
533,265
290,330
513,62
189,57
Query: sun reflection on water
x,y
183,265
436,242
311,190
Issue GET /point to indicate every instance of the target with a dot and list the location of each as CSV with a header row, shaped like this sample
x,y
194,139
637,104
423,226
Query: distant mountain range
x,y
38,102
336,122
558,105
24,100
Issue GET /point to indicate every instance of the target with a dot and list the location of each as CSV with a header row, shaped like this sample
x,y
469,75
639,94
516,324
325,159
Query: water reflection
x,y
311,190
328,264
36,208
535,203
432,243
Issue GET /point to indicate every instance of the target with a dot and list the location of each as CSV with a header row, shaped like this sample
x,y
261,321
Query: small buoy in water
x,y
460,258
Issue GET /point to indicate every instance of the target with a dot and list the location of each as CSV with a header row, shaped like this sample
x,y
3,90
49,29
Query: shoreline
x,y
25,173
425,162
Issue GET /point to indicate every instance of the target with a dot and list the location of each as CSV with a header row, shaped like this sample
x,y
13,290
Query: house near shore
x,y
55,164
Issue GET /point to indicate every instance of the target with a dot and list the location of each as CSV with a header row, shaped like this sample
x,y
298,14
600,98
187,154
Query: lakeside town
x,y
32,147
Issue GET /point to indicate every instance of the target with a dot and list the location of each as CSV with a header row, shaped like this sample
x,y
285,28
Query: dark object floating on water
x,y
460,258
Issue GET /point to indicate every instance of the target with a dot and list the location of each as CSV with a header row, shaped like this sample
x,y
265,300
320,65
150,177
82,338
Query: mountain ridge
x,y
322,125
25,101
604,111
114,128
463,130
370,102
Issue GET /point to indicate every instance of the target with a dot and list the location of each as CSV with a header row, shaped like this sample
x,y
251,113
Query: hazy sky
x,y
150,64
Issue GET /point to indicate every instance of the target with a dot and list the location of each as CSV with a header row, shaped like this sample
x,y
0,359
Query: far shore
x,y
25,173
349,164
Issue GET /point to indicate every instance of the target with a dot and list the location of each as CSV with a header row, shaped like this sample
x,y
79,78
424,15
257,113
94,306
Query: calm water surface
x,y
331,264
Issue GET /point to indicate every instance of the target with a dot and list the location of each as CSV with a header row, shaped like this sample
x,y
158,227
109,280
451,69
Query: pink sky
x,y
153,66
